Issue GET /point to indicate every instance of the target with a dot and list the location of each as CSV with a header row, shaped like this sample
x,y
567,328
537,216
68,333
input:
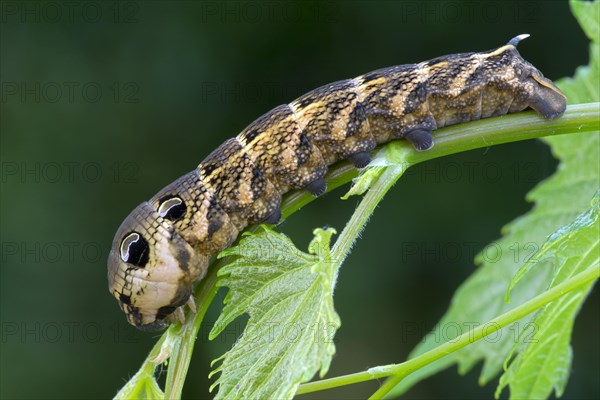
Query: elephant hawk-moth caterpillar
x,y
164,246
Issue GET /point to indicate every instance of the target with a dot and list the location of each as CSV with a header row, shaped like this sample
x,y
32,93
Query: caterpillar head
x,y
151,268
530,86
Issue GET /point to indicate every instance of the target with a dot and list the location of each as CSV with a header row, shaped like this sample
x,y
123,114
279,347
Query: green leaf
x,y
587,13
394,154
558,200
288,295
584,87
142,385
364,181
544,359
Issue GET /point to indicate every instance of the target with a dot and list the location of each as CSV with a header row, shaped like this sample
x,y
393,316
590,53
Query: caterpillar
x,y
165,245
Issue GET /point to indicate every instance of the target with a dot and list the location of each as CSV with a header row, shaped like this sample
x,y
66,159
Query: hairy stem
x,y
510,128
363,212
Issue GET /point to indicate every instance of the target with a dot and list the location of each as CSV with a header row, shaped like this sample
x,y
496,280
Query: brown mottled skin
x,y
164,246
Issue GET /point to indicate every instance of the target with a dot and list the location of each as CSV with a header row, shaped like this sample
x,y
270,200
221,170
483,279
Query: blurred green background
x,y
104,103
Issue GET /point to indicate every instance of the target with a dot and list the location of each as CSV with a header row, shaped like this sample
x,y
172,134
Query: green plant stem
x,y
363,212
400,371
510,128
182,352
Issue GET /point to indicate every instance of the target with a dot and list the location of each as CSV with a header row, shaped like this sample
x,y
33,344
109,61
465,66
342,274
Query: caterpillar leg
x,y
421,139
360,159
274,218
548,100
317,187
176,316
191,304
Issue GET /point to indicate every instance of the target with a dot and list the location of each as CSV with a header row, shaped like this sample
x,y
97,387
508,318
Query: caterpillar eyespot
x,y
134,250
171,208
164,246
